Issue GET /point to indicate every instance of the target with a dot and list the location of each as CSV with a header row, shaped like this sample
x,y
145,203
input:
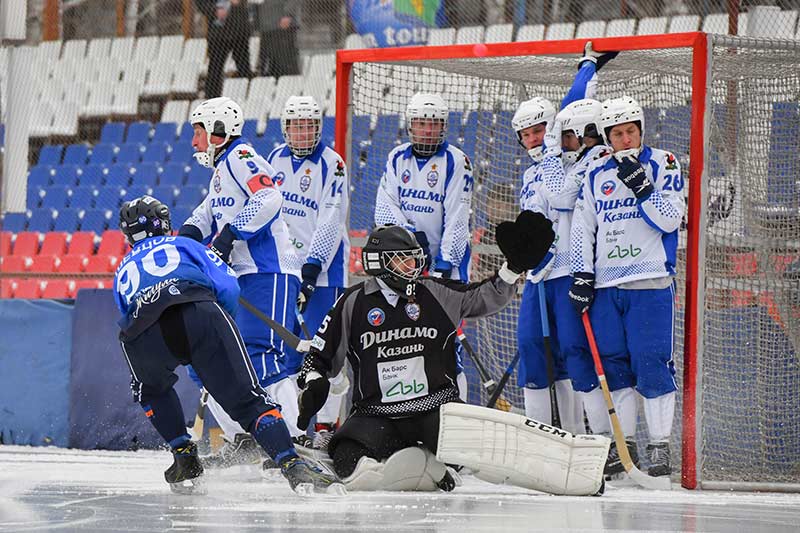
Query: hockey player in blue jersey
x,y
176,298
427,188
624,245
539,130
241,219
316,190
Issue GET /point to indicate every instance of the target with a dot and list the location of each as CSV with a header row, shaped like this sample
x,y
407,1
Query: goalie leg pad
x,y
509,448
410,469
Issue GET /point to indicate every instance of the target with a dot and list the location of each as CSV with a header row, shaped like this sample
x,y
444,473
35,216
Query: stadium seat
x,y
130,153
76,154
119,175
110,197
28,289
40,176
165,193
95,220
186,134
56,197
82,197
112,132
70,264
249,130
7,287
190,195
54,243
42,263
102,154
181,152
50,154
15,222
41,220
172,174
198,175
155,152
58,288
98,263
34,197
81,243
138,132
181,213
67,220
273,131
112,243
165,132
92,176
134,191
5,243
14,263
146,173
66,175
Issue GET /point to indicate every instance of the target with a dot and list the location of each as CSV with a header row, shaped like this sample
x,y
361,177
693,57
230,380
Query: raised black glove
x,y
422,239
581,293
312,398
223,244
193,232
632,174
526,241
310,273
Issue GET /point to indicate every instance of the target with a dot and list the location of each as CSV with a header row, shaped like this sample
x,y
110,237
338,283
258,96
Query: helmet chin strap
x,y
206,158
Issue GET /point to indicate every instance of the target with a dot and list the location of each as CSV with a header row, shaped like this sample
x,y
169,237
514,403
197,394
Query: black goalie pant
x,y
203,334
379,437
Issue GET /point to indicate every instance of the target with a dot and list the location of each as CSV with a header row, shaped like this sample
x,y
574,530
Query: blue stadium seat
x,y
109,197
56,197
15,222
34,197
360,132
249,130
94,220
146,174
92,176
67,220
155,152
328,127
186,134
2,134
165,193
112,132
190,195
66,175
41,220
76,154
102,154
264,146
165,132
388,127
134,191
50,154
172,174
119,175
198,175
180,213
129,153
82,197
40,176
138,132
273,131
181,152
783,165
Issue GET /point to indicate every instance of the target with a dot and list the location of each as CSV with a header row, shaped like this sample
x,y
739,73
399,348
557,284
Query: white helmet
x,y
620,111
427,106
301,107
221,117
531,112
580,117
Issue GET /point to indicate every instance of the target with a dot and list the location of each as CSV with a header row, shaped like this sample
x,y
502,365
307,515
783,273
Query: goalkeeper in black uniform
x,y
397,331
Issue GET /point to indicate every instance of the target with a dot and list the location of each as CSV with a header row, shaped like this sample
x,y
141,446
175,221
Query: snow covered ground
x,y
52,489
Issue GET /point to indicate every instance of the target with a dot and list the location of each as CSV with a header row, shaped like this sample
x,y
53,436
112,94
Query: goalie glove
x,y
632,174
223,244
314,390
526,241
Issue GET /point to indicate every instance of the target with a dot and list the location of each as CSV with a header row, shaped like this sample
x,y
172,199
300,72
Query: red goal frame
x,y
700,46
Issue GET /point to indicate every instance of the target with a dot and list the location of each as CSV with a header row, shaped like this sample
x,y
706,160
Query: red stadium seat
x,y
26,244
5,243
58,288
112,243
82,243
98,263
28,288
7,287
54,243
13,263
71,263
43,263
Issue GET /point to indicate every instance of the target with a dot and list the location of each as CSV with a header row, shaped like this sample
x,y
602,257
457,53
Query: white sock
x,y
570,408
625,405
537,405
596,411
229,426
463,387
285,393
659,413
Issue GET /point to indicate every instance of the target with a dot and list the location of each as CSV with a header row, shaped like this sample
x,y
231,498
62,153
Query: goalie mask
x,y
301,124
426,123
618,111
530,113
143,218
221,117
581,118
392,254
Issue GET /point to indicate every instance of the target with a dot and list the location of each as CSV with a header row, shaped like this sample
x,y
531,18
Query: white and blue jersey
x,y
242,193
619,238
316,193
433,195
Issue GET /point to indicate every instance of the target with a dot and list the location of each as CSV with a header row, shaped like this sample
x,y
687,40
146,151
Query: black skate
x,y
185,476
307,479
614,466
659,455
244,450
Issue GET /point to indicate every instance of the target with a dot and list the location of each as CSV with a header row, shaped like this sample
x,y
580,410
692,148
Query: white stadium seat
x,y
187,77
684,23
122,49
146,49
499,33
99,49
74,50
470,35
175,111
559,31
620,27
441,36
652,25
590,28
353,42
530,32
235,88
171,49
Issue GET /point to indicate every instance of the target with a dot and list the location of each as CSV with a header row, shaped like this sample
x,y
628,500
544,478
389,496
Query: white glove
x,y
551,146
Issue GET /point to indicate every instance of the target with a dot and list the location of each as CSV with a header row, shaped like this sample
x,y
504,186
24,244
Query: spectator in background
x,y
228,32
277,24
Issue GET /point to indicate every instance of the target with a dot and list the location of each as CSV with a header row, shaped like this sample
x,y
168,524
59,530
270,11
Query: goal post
x,y
737,228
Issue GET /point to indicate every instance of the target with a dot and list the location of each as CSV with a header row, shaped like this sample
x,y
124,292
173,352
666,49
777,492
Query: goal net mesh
x,y
750,383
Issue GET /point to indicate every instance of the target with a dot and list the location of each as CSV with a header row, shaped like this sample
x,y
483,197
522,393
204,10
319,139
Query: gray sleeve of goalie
x,y
470,300
329,345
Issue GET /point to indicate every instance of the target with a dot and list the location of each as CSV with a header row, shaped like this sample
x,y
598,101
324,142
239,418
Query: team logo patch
x,y
173,290
142,219
216,183
607,188
672,164
406,177
258,182
376,316
278,179
245,154
412,310
467,164
433,178
339,169
305,180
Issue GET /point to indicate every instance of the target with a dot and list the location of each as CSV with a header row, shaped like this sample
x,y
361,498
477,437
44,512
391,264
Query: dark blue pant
x,y
203,334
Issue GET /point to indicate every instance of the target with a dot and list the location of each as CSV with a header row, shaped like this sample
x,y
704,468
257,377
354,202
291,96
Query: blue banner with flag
x,y
384,23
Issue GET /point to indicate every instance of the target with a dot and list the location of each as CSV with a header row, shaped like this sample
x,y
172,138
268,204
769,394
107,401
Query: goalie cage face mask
x,y
392,254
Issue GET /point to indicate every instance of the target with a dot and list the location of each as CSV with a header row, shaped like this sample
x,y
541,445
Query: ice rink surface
x,y
52,489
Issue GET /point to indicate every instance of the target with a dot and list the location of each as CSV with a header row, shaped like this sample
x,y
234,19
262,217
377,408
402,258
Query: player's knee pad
x,y
409,469
505,447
